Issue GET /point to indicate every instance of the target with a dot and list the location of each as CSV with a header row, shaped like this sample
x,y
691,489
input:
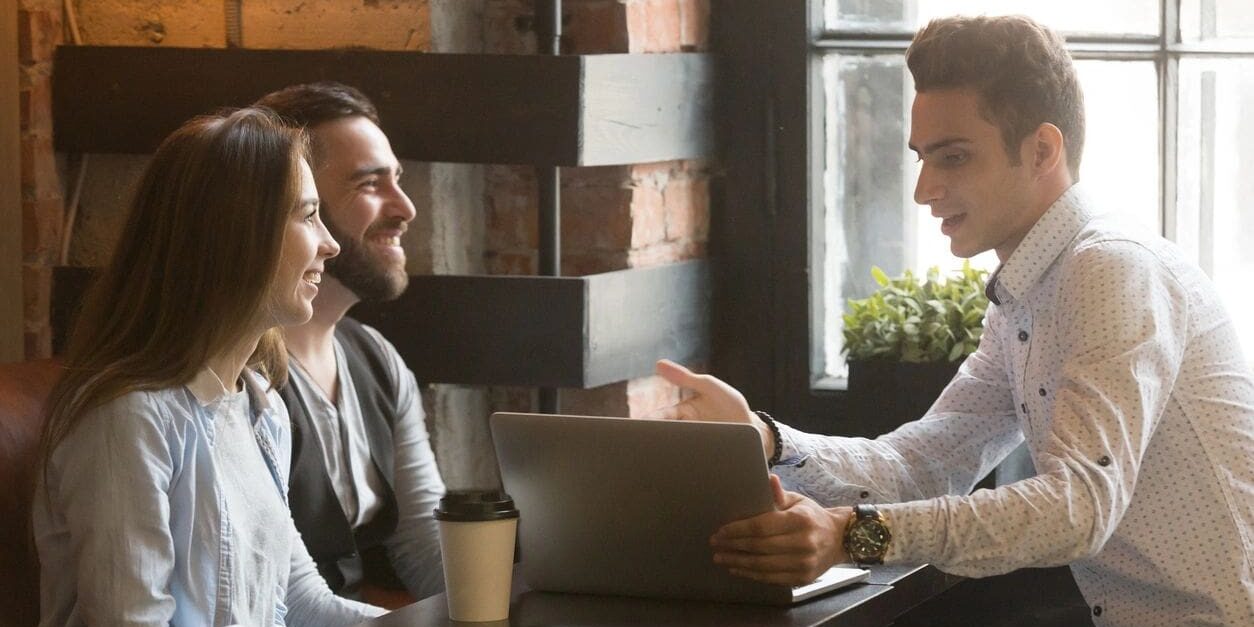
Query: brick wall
x,y
471,218
39,31
613,217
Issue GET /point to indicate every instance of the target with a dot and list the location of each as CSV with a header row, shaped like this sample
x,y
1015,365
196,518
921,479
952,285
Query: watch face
x,y
868,538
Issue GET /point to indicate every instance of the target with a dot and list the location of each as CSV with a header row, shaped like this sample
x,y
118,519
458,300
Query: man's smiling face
x,y
363,206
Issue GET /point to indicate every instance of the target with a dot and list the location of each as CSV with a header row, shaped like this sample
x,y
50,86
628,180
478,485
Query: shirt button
x,y
1104,461
1097,610
1041,391
1023,407
1023,335
865,495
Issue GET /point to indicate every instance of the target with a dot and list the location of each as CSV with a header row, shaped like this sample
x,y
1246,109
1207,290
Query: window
x,y
1169,134
818,182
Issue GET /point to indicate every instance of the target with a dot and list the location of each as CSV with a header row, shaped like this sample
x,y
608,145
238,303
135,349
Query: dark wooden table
x,y
888,593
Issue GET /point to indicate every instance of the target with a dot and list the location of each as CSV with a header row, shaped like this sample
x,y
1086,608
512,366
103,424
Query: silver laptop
x,y
627,506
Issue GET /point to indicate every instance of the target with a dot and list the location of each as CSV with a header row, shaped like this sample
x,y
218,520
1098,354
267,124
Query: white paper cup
x,y
477,531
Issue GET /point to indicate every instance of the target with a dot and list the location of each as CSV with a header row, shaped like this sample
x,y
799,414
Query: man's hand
x,y
791,546
712,400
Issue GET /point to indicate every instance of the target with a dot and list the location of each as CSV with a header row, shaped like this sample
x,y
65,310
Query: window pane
x,y
1135,17
1215,139
870,218
1211,20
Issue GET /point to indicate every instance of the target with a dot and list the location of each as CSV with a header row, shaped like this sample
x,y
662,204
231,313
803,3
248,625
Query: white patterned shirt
x,y
1114,358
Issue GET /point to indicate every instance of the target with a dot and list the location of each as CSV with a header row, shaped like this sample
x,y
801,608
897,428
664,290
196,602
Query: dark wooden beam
x,y
637,316
572,110
566,332
562,332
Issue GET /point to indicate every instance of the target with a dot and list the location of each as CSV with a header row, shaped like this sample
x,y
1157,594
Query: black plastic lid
x,y
475,505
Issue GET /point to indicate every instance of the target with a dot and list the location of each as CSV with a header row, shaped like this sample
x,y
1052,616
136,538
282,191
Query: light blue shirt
x,y
142,521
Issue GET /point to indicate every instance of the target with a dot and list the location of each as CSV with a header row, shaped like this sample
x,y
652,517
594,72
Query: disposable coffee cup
x,y
477,530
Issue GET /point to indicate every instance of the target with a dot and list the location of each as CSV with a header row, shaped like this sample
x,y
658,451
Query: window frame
x,y
768,325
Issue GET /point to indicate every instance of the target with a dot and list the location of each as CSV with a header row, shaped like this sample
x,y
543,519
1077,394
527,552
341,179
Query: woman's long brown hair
x,y
192,270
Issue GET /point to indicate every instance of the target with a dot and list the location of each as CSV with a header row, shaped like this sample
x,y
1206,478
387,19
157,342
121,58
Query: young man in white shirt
x,y
364,478
1110,355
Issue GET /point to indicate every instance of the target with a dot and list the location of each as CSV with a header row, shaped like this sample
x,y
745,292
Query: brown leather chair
x,y
24,387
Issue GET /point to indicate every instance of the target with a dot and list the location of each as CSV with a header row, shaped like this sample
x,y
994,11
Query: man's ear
x,y
1049,151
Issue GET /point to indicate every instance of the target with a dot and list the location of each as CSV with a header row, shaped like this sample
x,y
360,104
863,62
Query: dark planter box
x,y
885,394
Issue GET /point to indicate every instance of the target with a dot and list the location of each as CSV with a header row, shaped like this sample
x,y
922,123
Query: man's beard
x,y
370,278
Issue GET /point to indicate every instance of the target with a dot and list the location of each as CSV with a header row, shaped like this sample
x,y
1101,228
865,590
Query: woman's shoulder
x,y
137,420
166,411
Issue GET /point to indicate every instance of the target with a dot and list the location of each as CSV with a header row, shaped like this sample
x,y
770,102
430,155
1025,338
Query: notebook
x,y
627,506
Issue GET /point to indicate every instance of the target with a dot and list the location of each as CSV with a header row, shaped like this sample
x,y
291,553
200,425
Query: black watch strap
x,y
779,444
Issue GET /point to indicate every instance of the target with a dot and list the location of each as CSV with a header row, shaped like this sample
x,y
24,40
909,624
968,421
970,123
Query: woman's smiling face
x,y
306,246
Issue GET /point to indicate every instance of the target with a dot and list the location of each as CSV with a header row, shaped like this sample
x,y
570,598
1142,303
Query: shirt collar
x,y
208,388
1047,239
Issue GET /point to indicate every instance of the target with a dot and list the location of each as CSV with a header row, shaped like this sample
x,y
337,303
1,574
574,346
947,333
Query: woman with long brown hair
x,y
165,454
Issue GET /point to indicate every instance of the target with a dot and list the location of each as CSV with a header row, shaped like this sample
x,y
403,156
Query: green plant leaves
x,y
918,321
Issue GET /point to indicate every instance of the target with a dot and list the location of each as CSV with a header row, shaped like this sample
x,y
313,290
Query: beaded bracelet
x,y
779,445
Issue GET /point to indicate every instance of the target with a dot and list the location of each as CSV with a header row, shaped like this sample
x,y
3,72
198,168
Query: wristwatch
x,y
867,536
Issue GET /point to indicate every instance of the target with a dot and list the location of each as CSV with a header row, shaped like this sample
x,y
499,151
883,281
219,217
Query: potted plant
x,y
904,342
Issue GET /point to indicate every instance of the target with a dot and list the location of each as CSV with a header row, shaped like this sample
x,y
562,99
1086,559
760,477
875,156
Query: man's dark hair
x,y
1020,71
311,104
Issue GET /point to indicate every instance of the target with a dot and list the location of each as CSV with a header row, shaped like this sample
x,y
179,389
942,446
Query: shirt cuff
x,y
918,529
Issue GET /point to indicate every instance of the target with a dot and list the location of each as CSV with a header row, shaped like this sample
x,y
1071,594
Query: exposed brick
x,y
664,253
35,104
39,169
596,176
507,27
597,218
687,208
512,174
694,24
41,230
653,25
30,76
511,223
510,220
594,27
648,217
200,24
510,263
36,294
655,174
299,24
38,33
583,263
588,27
